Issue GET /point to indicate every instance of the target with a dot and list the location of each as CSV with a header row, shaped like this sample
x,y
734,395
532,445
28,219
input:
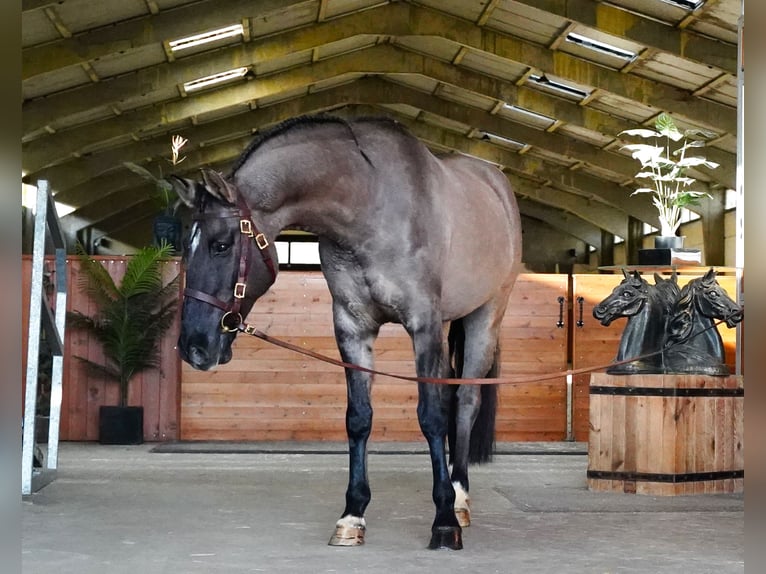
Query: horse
x,y
694,344
430,242
647,308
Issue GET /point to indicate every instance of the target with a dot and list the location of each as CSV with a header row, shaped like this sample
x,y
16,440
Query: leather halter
x,y
232,317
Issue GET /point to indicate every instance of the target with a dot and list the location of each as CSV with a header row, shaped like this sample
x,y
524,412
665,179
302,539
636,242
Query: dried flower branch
x,y
176,143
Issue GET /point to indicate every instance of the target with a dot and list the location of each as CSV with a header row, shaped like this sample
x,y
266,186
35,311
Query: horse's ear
x,y
218,186
188,190
709,276
624,273
657,278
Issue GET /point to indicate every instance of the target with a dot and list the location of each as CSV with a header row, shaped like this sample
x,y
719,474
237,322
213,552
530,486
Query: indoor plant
x,y
129,322
665,162
167,225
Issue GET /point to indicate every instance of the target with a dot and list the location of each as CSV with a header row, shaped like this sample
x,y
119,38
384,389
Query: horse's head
x,y
229,264
627,299
712,301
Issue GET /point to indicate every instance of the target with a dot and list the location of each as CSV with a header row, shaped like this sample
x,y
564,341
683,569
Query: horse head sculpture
x,y
646,307
694,345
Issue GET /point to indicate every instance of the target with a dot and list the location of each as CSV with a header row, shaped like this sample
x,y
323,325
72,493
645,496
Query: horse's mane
x,y
681,323
300,122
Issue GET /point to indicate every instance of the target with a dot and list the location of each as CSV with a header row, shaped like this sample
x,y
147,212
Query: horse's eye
x,y
627,294
219,247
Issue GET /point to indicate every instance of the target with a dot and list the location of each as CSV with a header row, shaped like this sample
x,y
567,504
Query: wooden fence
x,y
268,393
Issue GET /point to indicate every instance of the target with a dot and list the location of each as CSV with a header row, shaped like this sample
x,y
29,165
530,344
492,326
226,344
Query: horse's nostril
x,y
197,355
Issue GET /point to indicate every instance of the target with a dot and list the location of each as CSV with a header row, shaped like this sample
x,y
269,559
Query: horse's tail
x,y
482,442
483,433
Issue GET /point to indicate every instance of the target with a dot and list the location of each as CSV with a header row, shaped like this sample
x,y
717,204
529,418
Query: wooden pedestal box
x,y
666,435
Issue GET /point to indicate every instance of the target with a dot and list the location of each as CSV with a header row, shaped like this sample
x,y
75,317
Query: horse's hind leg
x,y
355,347
433,412
480,356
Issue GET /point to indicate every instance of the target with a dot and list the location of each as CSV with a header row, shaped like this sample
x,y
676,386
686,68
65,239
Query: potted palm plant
x,y
167,225
665,162
129,322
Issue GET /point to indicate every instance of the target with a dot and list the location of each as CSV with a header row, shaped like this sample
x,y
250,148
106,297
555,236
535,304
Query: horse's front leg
x,y
355,348
433,412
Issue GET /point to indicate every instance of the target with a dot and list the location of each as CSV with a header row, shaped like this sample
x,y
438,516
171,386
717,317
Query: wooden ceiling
x,y
539,87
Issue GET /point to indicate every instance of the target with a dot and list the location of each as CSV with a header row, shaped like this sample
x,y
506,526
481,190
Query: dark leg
x,y
355,348
480,358
433,410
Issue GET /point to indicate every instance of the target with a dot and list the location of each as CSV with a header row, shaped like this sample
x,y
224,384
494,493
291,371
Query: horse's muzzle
x,y
734,318
601,313
203,354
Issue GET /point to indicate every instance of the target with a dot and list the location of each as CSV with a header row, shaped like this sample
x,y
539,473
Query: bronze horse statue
x,y
647,308
432,243
694,345
670,330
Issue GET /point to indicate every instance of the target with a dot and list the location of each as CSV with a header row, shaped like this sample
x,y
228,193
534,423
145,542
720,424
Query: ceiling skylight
x,y
219,78
523,113
549,84
206,37
503,140
599,46
686,4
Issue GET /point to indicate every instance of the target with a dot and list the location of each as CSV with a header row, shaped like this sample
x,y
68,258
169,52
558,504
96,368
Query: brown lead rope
x,y
517,380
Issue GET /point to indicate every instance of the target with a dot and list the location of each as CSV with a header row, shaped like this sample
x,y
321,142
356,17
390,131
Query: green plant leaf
x,y
143,172
699,132
645,153
695,161
640,132
667,127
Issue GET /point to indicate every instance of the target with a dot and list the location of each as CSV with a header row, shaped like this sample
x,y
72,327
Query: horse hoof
x,y
449,537
347,536
463,516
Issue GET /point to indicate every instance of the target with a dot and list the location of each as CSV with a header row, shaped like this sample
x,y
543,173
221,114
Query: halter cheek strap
x,y
232,317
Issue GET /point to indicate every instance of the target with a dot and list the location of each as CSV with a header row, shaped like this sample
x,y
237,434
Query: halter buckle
x,y
239,290
246,227
261,241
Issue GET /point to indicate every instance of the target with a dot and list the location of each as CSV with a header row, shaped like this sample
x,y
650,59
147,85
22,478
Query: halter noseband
x,y
232,318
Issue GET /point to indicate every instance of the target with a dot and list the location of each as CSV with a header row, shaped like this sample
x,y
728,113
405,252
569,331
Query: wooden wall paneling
x,y
531,343
268,393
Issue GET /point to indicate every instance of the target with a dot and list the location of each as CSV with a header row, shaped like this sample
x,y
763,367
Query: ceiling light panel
x,y
217,35
525,116
599,47
215,79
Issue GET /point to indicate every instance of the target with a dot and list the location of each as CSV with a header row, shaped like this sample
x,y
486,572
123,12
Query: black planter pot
x,y
168,228
669,242
120,425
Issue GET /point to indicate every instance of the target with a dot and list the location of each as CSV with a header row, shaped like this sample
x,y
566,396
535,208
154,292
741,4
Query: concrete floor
x,y
272,508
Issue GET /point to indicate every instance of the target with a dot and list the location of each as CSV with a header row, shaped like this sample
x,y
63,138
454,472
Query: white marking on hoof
x,y
349,531
462,505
